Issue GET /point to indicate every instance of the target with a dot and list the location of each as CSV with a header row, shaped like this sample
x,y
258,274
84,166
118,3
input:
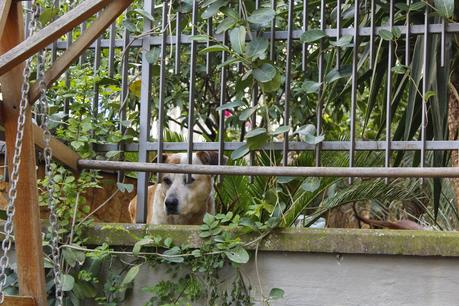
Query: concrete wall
x,y
341,280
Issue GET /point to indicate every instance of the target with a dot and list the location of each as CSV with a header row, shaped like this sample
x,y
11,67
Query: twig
x,y
99,207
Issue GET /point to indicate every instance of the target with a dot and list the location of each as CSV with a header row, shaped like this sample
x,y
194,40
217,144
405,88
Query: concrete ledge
x,y
345,241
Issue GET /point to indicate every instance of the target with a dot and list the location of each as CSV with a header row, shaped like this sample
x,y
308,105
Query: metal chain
x,y
12,193
47,153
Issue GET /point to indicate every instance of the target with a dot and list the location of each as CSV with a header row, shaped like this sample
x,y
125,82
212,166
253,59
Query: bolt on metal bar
x,y
319,108
387,157
192,85
288,67
304,46
162,83
373,172
145,115
355,53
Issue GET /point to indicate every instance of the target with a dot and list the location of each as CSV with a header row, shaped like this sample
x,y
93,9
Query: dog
x,y
174,200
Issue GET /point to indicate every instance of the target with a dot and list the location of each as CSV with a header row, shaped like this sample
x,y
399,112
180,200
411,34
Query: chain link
x,y
12,193
47,153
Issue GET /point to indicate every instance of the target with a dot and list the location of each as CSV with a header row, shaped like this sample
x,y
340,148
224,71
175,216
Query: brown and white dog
x,y
176,201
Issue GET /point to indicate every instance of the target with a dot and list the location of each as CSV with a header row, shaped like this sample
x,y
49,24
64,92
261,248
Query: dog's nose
x,y
171,205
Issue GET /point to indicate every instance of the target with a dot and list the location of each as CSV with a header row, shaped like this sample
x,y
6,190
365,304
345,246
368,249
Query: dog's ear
x,y
163,158
210,157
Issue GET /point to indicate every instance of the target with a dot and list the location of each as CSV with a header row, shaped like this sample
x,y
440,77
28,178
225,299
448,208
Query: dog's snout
x,y
171,205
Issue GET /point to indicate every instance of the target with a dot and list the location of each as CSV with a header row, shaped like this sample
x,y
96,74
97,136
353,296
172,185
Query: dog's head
x,y
182,196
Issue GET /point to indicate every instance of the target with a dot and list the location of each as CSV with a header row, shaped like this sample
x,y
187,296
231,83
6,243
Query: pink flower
x,y
227,113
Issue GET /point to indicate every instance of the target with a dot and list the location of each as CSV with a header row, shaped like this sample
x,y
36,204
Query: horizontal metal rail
x,y
271,171
281,35
369,145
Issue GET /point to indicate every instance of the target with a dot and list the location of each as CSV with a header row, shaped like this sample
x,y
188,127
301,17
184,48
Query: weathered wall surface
x,y
344,280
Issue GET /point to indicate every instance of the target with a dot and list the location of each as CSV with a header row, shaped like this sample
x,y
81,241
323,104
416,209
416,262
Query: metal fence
x,y
363,32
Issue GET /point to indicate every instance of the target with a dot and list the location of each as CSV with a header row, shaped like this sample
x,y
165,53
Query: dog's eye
x,y
167,181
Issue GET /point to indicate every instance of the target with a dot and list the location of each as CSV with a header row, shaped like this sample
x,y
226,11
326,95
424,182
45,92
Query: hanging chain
x,y
47,153
12,193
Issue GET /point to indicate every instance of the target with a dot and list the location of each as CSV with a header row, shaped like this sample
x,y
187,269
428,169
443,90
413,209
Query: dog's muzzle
x,y
171,206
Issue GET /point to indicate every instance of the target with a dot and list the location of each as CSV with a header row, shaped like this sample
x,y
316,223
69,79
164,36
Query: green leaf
x,y
262,16
144,14
310,86
386,34
237,39
429,94
238,255
280,130
245,114
70,257
215,48
444,8
152,56
139,244
48,14
417,6
240,152
208,219
344,41
230,105
213,8
67,282
226,24
336,74
174,251
258,141
400,69
396,33
111,154
265,73
77,145
311,184
255,132
257,48
276,293
311,139
125,187
131,275
285,179
272,85
312,36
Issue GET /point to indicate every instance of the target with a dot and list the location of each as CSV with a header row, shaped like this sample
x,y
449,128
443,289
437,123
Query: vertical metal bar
x,y
372,34
97,54
209,43
254,115
28,5
321,79
355,53
304,47
273,33
389,89
407,35
124,94
145,111
425,84
192,86
162,83
83,54
178,36
288,66
443,42
221,124
54,45
67,81
338,32
111,50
